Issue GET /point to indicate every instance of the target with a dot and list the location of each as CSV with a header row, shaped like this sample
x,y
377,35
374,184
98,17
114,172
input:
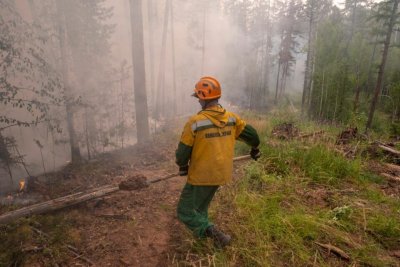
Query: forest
x,y
94,95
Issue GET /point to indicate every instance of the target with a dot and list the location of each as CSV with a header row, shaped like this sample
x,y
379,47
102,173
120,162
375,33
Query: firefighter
x,y
205,154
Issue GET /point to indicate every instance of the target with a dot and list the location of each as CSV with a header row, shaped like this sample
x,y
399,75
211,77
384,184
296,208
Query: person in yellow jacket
x,y
205,155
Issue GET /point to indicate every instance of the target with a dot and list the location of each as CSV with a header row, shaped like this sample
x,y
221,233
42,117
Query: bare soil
x,y
127,228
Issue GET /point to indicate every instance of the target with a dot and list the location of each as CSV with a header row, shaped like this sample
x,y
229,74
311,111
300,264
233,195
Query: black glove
x,y
183,170
255,153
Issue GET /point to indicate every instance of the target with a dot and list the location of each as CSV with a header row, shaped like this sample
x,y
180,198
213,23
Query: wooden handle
x,y
169,176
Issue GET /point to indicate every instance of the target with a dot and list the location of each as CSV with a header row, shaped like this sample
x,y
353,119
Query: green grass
x,y
301,192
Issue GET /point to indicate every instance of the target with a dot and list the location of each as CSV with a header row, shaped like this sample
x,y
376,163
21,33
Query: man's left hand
x,y
255,153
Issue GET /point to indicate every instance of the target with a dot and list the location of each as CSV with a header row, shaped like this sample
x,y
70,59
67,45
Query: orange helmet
x,y
207,88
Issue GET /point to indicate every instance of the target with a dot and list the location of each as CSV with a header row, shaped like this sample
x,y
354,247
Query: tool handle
x,y
169,176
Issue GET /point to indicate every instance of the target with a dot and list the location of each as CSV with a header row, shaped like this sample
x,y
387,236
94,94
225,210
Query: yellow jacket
x,y
208,141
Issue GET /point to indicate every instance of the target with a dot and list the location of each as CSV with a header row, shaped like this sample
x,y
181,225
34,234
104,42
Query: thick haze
x,y
83,52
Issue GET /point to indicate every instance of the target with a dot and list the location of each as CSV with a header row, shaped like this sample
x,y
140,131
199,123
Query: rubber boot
x,y
220,239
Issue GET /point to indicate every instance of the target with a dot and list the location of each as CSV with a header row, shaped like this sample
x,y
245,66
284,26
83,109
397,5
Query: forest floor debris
x,y
319,202
347,135
285,131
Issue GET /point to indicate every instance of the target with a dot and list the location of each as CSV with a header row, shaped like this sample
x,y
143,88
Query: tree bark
x,y
139,75
160,102
150,18
57,204
74,146
309,62
381,71
175,103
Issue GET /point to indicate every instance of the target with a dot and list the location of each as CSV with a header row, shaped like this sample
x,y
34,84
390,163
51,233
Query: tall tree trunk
x,y
139,75
381,71
150,17
309,63
74,146
160,102
175,103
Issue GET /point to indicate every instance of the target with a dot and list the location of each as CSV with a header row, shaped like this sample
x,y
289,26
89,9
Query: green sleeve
x,y
183,154
249,136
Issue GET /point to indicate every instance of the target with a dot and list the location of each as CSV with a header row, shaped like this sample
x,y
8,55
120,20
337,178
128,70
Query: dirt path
x,y
140,239
127,228
131,228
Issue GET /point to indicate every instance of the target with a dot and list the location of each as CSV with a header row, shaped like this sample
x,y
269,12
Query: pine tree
x,y
142,120
388,13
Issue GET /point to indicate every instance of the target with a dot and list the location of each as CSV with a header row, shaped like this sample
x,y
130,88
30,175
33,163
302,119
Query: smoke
x,y
207,41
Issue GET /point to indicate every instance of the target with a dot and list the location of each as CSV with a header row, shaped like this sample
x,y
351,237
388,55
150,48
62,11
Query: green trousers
x,y
193,207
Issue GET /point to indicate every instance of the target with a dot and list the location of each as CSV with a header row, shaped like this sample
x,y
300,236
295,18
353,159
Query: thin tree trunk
x,y
43,165
311,81
307,72
122,122
277,83
175,103
22,161
322,95
336,104
75,151
139,75
357,93
381,71
151,50
87,134
160,102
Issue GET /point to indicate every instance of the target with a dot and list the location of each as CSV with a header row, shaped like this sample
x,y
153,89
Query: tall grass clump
x,y
325,166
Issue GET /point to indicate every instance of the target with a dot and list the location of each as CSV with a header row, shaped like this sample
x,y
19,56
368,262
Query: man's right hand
x,y
255,153
183,170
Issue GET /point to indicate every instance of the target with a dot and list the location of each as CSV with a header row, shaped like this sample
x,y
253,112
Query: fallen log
x,y
70,200
56,204
389,149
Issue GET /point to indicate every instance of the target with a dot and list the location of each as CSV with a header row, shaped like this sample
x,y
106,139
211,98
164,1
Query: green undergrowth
x,y
300,194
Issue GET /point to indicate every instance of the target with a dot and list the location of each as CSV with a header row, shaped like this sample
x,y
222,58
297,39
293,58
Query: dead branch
x,y
389,149
337,251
